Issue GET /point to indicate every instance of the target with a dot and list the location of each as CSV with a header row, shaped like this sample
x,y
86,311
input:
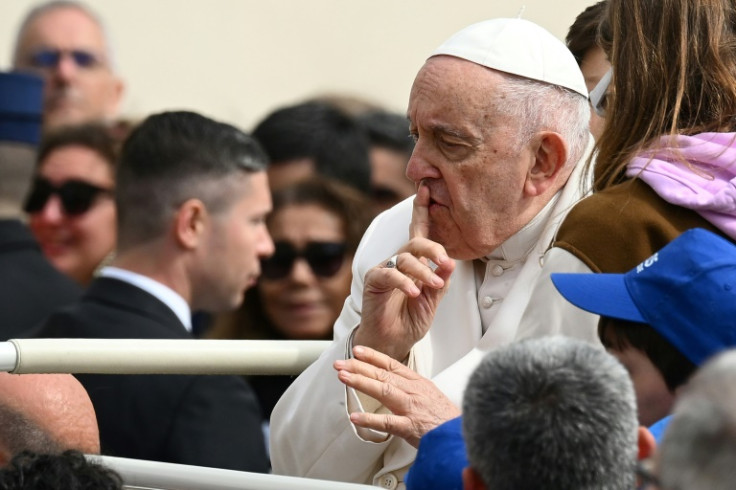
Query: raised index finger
x,y
419,227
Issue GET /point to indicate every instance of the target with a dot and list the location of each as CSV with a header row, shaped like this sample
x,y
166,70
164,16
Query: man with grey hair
x,y
552,413
500,115
65,43
192,196
699,446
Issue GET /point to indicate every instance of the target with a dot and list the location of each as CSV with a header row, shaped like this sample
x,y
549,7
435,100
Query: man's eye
x,y
449,144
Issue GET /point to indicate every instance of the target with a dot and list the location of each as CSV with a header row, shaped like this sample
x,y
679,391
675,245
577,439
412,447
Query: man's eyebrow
x,y
448,130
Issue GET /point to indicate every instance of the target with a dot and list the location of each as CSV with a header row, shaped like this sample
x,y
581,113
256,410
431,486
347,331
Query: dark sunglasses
x,y
324,258
76,196
49,58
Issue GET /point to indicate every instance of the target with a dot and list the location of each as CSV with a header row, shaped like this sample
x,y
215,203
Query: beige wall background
x,y
236,60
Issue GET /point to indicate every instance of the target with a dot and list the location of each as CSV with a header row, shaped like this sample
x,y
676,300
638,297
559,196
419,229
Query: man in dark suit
x,y
31,288
191,197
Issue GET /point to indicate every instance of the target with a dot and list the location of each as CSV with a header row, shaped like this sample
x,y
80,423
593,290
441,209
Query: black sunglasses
x,y
76,196
49,58
324,258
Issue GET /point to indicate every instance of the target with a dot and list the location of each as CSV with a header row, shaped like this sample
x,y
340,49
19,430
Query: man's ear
x,y
647,443
472,480
115,96
550,155
189,223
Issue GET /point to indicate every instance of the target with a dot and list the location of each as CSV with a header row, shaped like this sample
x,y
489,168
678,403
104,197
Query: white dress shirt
x,y
165,294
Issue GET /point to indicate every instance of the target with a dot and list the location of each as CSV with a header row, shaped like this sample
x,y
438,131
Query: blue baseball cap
x,y
21,107
686,292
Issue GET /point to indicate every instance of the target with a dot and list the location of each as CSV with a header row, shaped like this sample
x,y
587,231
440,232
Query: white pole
x,y
8,356
151,474
159,356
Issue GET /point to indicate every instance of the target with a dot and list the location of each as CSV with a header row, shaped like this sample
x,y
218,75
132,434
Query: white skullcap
x,y
519,47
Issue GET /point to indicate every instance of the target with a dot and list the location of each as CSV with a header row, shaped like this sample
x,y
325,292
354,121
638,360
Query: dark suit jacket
x,y
30,287
198,420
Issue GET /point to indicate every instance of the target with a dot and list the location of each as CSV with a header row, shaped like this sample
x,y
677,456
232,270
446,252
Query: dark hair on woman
x,y
349,204
103,140
333,196
69,470
674,73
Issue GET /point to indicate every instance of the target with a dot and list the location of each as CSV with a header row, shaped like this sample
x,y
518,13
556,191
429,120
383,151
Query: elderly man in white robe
x,y
500,117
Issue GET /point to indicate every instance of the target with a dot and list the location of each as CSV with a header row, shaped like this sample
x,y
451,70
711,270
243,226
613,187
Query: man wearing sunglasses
x,y
191,196
500,117
64,42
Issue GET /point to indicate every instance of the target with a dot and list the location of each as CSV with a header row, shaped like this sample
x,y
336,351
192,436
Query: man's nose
x,y
66,69
266,247
420,167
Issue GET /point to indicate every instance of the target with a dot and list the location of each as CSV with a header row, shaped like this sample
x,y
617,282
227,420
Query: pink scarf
x,y
706,184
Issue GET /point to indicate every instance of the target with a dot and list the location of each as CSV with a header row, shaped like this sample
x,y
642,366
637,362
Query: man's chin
x,y
454,248
64,114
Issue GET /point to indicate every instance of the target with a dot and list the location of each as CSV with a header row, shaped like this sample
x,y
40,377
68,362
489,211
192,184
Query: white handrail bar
x,y
159,356
169,476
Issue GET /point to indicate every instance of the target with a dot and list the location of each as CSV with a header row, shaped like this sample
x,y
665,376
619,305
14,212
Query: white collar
x,y
165,294
517,247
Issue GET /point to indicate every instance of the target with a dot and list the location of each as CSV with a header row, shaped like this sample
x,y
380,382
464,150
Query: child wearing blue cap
x,y
666,316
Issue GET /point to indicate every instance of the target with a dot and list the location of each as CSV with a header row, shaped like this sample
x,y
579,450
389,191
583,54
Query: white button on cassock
x,y
497,270
389,481
487,302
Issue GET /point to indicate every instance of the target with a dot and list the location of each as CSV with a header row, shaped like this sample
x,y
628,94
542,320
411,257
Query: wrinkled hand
x,y
399,303
416,404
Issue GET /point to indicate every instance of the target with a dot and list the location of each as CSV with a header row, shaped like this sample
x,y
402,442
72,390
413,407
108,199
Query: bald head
x,y
45,413
65,43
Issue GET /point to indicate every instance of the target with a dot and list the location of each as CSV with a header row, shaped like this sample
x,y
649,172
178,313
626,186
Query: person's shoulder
x,y
66,322
615,229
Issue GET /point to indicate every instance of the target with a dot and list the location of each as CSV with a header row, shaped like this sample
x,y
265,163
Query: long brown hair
x,y
674,73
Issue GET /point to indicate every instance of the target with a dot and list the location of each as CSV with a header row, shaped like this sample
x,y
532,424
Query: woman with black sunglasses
x,y
70,204
316,226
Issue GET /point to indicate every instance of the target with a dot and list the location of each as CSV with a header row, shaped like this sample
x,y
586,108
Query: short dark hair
x,y
67,470
97,137
336,143
552,413
583,33
672,364
172,157
388,130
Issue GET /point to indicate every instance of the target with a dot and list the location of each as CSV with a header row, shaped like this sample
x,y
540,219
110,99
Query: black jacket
x,y
30,287
198,420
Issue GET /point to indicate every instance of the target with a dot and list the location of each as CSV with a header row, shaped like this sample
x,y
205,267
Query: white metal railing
x,y
159,356
153,475
185,356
